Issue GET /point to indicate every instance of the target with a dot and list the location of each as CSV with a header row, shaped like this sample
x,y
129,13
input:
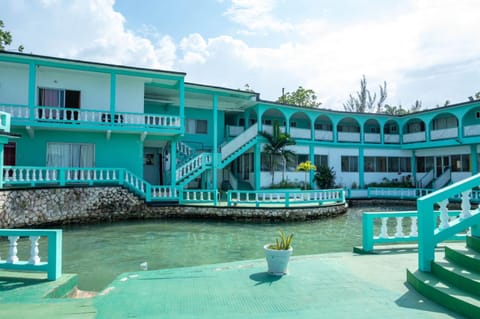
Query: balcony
x,y
300,133
444,133
414,137
63,116
391,139
322,135
372,138
471,130
348,137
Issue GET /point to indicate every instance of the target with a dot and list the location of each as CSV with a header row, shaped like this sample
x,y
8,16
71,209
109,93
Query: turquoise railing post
x,y
229,198
426,228
148,192
54,254
287,199
62,176
121,176
367,232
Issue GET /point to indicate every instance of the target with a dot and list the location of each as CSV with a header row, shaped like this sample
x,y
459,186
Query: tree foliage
x,y
399,110
301,97
6,38
325,177
276,147
364,101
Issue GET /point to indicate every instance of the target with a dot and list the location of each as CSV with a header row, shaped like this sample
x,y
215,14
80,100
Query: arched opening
x,y
414,131
371,130
300,126
471,122
348,130
391,132
323,128
443,126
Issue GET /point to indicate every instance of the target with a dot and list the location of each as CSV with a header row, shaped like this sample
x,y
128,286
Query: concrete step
x,y
466,257
473,243
457,275
444,293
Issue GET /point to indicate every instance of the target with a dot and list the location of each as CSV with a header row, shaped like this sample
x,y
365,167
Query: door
x,y
442,164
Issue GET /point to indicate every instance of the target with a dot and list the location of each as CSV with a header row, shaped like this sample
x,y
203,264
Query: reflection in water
x,y
99,253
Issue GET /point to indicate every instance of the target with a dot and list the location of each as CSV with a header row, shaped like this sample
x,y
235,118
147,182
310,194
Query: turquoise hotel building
x,y
173,135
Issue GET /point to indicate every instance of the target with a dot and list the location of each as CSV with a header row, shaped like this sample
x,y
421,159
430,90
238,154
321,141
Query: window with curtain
x,y
70,155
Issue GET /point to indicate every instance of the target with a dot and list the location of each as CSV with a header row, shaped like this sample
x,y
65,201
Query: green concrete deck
x,y
337,285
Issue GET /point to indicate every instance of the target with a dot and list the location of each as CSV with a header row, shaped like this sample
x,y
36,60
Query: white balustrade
x,y
301,133
414,137
12,249
16,112
372,137
444,217
348,137
466,207
471,130
34,258
242,139
391,138
322,135
444,133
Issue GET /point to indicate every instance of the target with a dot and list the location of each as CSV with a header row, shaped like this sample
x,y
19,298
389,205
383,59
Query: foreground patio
x,y
337,285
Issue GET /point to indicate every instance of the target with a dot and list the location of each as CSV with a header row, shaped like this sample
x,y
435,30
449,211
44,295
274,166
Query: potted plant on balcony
x,y
278,254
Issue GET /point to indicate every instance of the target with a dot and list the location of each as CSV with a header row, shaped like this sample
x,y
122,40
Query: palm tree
x,y
276,148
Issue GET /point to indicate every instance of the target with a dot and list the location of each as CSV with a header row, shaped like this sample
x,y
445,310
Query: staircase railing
x,y
426,179
443,179
195,164
242,139
429,233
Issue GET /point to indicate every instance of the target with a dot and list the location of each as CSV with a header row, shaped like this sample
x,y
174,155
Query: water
x,y
99,253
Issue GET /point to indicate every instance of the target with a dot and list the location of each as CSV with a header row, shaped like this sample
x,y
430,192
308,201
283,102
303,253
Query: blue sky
x,y
424,49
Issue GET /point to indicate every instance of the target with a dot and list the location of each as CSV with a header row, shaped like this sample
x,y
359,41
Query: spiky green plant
x,y
282,243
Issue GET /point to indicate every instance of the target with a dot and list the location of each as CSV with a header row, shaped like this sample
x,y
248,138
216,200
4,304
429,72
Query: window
x,y
55,98
375,164
460,163
293,124
349,163
196,126
320,160
70,155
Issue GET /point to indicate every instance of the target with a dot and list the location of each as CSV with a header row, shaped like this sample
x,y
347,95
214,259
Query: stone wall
x,y
49,206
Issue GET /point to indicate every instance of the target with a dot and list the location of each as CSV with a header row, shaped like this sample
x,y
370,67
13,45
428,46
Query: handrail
x,y
429,234
41,176
196,196
397,192
196,163
285,197
240,140
53,265
443,179
395,227
426,179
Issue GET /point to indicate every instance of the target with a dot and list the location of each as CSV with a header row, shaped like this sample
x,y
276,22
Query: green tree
x,y
301,97
399,110
306,167
325,177
477,95
276,148
5,37
364,101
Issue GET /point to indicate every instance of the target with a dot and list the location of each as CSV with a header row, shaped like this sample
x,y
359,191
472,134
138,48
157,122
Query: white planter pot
x,y
277,260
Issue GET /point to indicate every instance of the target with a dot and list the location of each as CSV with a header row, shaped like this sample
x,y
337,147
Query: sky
x,y
427,50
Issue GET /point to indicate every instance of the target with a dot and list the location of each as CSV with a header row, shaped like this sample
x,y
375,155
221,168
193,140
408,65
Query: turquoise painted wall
x,y
121,151
199,141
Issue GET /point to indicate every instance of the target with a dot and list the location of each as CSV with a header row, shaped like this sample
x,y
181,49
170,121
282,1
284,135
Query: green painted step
x,y
457,275
444,294
473,242
466,257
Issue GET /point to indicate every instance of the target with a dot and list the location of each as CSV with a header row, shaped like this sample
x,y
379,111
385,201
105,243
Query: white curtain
x,y
70,155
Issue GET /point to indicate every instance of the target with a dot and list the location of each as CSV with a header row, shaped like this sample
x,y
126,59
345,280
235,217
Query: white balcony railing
x,y
372,138
414,137
471,130
391,138
234,130
301,133
322,135
443,134
348,137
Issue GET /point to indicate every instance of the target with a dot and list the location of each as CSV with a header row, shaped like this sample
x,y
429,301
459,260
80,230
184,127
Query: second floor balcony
x,y
101,119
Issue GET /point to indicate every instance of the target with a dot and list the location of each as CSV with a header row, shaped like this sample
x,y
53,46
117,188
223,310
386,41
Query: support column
x,y
474,158
361,171
181,99
215,163
113,95
258,165
32,84
312,160
413,165
173,163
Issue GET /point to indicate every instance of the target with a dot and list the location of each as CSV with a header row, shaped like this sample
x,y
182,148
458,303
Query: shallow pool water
x,y
98,253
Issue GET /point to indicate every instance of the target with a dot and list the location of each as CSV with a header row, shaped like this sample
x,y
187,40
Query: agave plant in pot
x,y
278,254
